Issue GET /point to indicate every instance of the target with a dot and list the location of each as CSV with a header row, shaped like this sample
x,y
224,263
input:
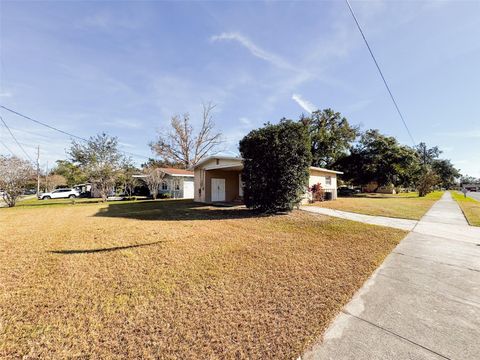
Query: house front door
x,y
218,189
188,189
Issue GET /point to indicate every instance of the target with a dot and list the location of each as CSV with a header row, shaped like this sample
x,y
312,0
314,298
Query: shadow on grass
x,y
173,210
92,251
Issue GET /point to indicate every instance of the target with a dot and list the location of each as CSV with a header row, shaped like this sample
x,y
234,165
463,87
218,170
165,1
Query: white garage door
x,y
188,189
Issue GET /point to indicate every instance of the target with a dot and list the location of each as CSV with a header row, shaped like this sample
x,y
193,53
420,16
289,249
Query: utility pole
x,y
46,177
38,170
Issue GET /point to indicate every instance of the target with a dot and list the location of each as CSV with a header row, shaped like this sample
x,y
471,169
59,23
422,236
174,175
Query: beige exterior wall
x,y
317,176
231,184
320,177
199,185
203,179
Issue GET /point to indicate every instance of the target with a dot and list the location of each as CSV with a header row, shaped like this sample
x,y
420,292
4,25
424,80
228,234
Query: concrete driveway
x,y
422,303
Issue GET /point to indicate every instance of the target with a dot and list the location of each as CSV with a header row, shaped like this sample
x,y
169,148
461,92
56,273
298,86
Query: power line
x,y
14,138
6,147
64,132
380,71
43,124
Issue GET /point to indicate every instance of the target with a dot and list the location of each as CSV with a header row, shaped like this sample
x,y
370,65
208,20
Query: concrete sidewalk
x,y
402,224
423,302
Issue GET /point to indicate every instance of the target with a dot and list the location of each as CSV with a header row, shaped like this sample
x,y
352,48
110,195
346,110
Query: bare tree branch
x,y
154,178
181,145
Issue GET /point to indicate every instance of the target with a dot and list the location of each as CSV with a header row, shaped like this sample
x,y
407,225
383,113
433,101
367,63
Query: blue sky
x,y
126,67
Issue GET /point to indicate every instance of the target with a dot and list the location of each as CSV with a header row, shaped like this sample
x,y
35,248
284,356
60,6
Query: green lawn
x,y
404,205
174,279
469,206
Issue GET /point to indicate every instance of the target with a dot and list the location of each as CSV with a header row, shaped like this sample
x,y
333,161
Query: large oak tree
x,y
381,159
331,136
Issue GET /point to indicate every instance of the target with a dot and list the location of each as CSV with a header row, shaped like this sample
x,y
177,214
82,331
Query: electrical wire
x,y
381,73
6,147
64,132
15,139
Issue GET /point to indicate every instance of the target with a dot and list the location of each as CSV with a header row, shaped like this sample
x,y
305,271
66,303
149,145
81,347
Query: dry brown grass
x,y
172,280
405,206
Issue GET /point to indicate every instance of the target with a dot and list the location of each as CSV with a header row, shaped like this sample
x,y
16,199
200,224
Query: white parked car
x,y
60,194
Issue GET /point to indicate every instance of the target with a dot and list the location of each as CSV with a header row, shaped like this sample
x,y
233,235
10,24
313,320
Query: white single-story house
x,y
472,187
177,183
218,179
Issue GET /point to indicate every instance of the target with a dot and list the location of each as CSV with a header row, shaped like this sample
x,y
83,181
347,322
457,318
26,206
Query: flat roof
x,y
241,159
225,166
325,170
220,157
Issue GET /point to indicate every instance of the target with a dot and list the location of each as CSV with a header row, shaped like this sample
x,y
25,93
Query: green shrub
x,y
276,163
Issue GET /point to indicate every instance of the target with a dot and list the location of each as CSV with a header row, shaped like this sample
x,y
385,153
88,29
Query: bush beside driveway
x,y
174,279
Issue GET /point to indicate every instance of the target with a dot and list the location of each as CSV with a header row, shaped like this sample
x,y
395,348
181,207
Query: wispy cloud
x,y
105,20
127,145
283,83
358,105
254,49
304,104
5,94
123,124
467,134
245,121
98,20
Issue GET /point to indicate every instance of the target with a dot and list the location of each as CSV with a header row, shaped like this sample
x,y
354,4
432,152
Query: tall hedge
x,y
276,163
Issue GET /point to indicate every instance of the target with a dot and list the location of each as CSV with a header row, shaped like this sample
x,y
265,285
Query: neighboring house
x,y
90,190
327,178
177,183
218,179
84,189
372,187
472,187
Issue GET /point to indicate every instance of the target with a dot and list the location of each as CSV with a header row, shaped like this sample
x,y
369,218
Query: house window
x,y
177,186
164,185
328,180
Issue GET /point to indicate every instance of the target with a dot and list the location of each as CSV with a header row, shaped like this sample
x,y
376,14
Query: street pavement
x,y
474,195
